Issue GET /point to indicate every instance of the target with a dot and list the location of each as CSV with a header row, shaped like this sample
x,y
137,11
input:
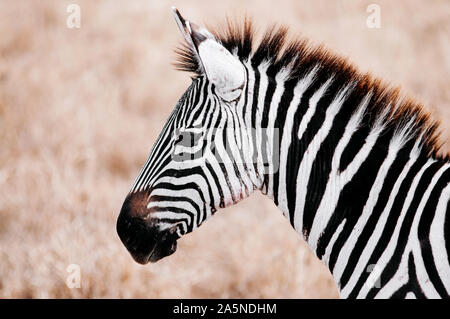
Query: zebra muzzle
x,y
143,237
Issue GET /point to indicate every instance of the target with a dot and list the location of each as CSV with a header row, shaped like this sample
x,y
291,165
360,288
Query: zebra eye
x,y
183,139
188,145
188,138
178,138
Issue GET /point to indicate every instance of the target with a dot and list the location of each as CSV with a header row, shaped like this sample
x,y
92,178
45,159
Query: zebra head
x,y
197,164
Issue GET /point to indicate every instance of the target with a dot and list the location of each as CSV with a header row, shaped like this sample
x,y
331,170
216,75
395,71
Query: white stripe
x,y
410,295
414,241
374,238
437,238
228,162
263,84
312,107
328,250
400,278
280,78
171,215
389,251
310,156
372,200
247,129
337,180
239,189
299,89
139,182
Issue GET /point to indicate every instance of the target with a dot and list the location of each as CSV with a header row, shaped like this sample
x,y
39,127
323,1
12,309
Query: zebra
x,y
352,164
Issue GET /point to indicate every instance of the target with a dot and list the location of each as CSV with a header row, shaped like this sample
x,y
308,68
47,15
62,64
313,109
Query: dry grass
x,y
80,109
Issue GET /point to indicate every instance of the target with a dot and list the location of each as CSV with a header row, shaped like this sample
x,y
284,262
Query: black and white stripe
x,y
351,166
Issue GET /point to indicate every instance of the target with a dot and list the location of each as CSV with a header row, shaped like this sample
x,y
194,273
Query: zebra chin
x,y
141,234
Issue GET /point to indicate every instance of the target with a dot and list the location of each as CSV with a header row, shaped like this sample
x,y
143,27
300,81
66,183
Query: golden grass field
x,y
81,108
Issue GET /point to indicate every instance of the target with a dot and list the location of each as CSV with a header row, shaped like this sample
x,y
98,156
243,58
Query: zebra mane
x,y
298,57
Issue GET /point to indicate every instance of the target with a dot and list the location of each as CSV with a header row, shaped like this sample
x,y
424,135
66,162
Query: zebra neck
x,y
337,180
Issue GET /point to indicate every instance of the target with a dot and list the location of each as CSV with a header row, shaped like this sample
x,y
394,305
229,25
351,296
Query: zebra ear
x,y
223,69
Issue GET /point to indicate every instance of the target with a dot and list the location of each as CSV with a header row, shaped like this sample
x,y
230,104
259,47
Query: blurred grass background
x,y
81,108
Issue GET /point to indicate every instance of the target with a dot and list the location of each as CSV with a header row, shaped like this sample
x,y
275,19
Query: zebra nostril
x,y
137,234
138,237
132,214
142,235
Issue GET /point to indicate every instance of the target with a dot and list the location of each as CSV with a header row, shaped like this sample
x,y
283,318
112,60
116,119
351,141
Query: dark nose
x,y
140,233
137,234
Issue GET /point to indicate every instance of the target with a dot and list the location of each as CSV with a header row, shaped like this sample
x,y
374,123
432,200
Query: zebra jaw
x,y
217,63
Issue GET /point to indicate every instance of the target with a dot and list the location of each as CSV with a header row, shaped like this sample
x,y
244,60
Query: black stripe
x,y
227,142
393,264
253,119
176,210
145,171
447,231
216,181
271,86
412,285
298,146
391,221
426,219
355,144
354,196
179,187
320,171
193,171
244,107
388,184
285,101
